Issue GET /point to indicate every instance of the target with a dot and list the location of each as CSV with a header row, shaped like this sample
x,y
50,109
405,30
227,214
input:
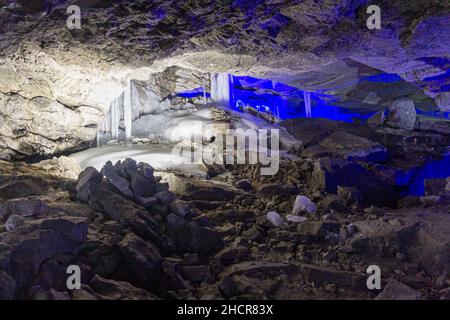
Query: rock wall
x,y
308,45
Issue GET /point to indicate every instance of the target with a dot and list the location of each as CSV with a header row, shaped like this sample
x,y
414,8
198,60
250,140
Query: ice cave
x,y
211,150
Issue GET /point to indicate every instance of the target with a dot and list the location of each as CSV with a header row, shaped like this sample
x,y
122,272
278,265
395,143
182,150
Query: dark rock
x,y
234,252
144,262
395,290
165,197
172,268
409,202
141,185
244,185
7,286
350,195
105,199
39,293
142,224
435,186
32,244
87,181
117,177
319,274
25,207
73,228
100,255
333,202
347,146
202,189
378,118
191,237
146,202
196,273
328,174
255,234
375,211
108,289
180,208
243,286
316,229
19,189
84,294
52,273
270,190
431,201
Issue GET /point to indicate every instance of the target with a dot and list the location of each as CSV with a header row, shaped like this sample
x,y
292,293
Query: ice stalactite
x,y
221,87
204,91
115,118
127,112
307,98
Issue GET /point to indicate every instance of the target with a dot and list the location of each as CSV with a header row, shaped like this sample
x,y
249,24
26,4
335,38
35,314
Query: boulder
x,y
117,178
21,188
107,289
33,243
396,290
105,199
328,174
25,207
180,208
206,190
144,262
87,181
191,237
141,185
165,197
347,146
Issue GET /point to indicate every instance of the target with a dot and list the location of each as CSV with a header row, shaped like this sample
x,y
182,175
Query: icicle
x,y
114,119
204,91
307,98
98,135
127,112
221,87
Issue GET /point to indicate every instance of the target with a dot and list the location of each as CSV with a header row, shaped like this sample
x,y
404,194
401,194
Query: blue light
x,y
414,179
197,92
383,77
285,102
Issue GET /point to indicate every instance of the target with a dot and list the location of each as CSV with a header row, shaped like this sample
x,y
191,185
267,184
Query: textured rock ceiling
x,y
319,45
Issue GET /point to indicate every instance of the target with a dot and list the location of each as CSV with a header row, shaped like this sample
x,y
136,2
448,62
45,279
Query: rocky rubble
x,y
308,232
